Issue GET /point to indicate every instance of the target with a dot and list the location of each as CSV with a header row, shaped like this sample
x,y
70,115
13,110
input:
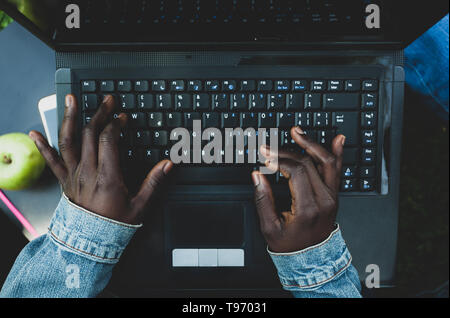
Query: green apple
x,y
21,164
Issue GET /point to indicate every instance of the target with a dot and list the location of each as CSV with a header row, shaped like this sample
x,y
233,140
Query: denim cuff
x,y
314,266
88,234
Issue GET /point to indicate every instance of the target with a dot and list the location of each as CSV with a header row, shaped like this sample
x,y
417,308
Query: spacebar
x,y
213,175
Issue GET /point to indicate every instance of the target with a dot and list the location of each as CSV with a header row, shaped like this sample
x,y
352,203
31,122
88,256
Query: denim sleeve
x,y
320,271
74,259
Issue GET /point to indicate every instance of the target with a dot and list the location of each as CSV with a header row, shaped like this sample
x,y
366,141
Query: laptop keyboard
x,y
322,107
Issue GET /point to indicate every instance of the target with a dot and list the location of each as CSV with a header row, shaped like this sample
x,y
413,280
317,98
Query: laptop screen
x,y
215,22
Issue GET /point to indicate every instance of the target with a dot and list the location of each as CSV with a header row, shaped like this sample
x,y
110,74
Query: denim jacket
x,y
77,255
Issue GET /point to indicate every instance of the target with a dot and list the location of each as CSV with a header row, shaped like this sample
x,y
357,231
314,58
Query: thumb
x,y
154,181
265,205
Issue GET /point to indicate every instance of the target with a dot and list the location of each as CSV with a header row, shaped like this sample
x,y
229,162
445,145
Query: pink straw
x,y
18,215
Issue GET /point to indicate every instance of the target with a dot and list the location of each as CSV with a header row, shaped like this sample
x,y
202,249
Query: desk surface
x,y
27,68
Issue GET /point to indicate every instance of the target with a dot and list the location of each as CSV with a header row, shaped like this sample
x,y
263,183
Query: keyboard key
x,y
249,120
155,120
189,118
211,120
141,86
195,86
213,175
137,120
341,101
369,101
277,102
282,85
151,156
239,102
107,86
346,123
159,138
89,102
325,137
285,120
303,119
267,120
318,85
368,156
146,101
370,85
141,138
368,119
350,156
313,101
348,185
88,86
265,85
367,184
349,171
368,138
321,120
221,102
158,86
299,85
164,101
295,101
335,85
230,120
212,86
177,86
202,102
367,172
183,102
258,102
124,86
352,85
229,86
248,85
174,120
126,101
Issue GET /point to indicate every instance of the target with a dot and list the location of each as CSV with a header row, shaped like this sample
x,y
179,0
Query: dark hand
x,y
89,173
314,194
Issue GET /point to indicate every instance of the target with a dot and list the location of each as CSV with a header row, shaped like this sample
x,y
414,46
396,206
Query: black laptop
x,y
328,66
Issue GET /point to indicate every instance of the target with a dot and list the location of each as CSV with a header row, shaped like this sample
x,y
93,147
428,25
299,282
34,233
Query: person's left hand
x,y
90,173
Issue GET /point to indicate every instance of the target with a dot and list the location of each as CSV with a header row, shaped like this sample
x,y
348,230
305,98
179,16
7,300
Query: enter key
x,y
347,123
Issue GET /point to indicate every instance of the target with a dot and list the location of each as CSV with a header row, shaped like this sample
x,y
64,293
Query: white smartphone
x,y
49,117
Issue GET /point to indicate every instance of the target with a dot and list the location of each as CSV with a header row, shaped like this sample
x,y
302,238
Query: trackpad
x,y
205,224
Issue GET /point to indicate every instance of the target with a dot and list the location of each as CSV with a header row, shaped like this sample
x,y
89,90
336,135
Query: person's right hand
x,y
314,192
90,173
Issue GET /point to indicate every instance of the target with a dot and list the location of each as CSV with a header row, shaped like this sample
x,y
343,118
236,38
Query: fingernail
x,y
69,101
343,140
107,98
255,178
167,167
299,131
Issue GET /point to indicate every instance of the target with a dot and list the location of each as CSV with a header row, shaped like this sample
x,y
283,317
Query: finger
x,y
319,154
50,155
337,147
68,148
265,204
299,183
151,184
108,146
93,129
318,187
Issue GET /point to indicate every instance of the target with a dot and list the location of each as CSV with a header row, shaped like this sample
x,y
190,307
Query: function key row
x,y
109,86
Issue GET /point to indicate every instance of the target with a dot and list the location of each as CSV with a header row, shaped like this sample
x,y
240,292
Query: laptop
x,y
328,66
